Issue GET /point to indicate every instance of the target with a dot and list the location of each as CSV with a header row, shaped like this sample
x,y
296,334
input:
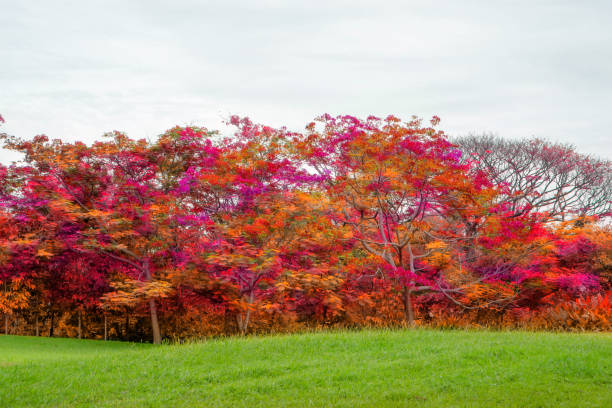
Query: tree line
x,y
351,223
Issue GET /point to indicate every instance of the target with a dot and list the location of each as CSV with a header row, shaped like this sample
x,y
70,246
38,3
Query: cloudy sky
x,y
76,69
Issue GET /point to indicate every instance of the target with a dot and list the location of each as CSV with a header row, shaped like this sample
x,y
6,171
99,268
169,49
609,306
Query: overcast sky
x,y
74,70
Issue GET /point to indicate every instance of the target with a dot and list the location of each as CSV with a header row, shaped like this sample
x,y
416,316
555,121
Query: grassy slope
x,y
361,369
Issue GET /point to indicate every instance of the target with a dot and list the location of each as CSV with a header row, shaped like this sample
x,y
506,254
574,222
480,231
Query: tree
x,y
256,211
539,176
399,186
119,199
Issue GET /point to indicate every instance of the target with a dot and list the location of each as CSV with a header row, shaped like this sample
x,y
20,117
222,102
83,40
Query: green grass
x,y
404,368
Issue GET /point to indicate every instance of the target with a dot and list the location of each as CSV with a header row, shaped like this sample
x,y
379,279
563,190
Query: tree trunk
x,y
226,320
152,308
105,328
36,325
243,322
80,332
154,322
244,319
469,245
51,326
126,334
6,319
408,310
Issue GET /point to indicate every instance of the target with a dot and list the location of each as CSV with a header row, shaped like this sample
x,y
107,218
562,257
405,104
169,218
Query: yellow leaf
x,y
43,253
436,245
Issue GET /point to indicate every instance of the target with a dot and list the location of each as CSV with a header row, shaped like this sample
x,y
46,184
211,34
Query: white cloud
x,y
75,70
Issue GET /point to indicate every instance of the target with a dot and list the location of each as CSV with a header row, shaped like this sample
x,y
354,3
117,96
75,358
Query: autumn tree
x,y
118,199
400,186
258,208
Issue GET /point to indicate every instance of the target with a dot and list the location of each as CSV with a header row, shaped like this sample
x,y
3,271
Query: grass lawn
x,y
403,368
